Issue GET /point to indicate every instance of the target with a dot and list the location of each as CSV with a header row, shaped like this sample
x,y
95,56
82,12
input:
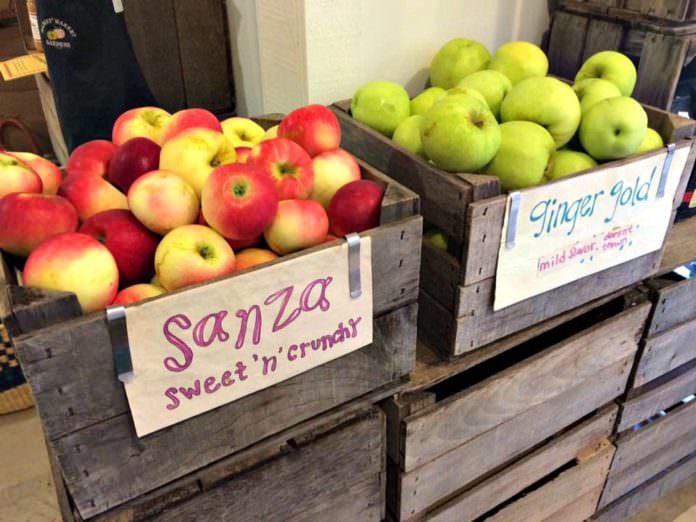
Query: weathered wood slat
x,y
566,44
579,510
662,56
680,247
439,274
523,473
484,227
677,10
602,35
674,304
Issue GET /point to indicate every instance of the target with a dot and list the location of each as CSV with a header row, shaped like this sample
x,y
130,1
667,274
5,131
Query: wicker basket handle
x,y
5,123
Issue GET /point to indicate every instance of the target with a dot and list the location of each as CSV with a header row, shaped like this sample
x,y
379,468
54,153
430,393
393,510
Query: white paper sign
x,y
581,225
199,349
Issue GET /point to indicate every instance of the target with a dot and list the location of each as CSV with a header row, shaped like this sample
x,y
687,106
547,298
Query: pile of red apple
x,y
176,200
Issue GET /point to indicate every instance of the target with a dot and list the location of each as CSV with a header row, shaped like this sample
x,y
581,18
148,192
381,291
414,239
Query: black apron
x,y
94,73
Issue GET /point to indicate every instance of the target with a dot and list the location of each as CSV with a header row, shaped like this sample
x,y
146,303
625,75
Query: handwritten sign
x,y
210,345
26,65
584,224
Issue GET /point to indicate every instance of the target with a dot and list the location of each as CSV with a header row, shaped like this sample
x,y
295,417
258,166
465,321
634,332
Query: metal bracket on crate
x,y
511,232
354,281
671,147
116,321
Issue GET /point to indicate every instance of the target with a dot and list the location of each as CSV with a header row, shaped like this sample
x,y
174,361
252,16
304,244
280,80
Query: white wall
x,y
319,51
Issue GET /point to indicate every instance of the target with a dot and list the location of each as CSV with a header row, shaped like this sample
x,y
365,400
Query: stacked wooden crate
x,y
656,445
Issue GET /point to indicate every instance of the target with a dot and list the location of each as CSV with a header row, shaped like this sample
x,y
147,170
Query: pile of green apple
x,y
176,200
502,115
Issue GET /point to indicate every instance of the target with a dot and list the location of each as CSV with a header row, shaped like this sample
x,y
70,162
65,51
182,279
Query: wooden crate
x,y
580,29
470,436
332,467
68,361
457,287
667,10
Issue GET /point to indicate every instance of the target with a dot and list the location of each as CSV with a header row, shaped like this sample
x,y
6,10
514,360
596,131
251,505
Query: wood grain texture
x,y
674,304
675,10
439,274
30,309
566,44
659,68
680,247
505,484
484,229
579,509
602,35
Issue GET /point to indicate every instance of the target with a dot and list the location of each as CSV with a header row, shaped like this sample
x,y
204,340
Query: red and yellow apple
x,y
91,194
332,170
92,158
189,119
26,220
313,127
74,262
48,172
355,207
236,244
239,201
271,132
242,154
299,223
194,153
132,245
192,254
17,176
162,201
131,160
242,132
136,293
287,164
253,257
142,122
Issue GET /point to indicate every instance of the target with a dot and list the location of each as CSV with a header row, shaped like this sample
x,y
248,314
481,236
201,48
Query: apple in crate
x,y
271,132
194,153
91,194
132,245
192,254
287,164
298,224
593,90
26,220
492,85
356,207
421,103
131,160
314,128
519,60
242,154
17,176
92,157
236,244
612,66
142,122
652,141
408,135
48,172
242,132
457,59
546,101
613,128
567,162
253,257
189,119
332,170
162,201
381,106
74,262
135,293
239,201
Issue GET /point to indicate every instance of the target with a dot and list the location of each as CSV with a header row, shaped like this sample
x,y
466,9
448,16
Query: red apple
x,y
92,157
355,207
253,257
239,201
314,127
91,194
132,245
131,160
242,154
236,244
187,119
17,176
299,223
136,293
26,220
146,122
48,172
287,164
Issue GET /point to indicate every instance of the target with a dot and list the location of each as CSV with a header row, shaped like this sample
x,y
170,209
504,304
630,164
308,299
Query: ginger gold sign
x,y
207,346
562,231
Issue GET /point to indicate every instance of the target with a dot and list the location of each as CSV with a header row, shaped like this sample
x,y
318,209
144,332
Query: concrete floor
x,y
27,495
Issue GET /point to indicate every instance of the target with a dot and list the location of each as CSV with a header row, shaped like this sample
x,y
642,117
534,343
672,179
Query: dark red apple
x,y
132,245
355,207
131,160
287,164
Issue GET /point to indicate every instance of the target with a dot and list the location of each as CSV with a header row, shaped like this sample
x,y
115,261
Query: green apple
x,y
407,134
421,103
460,134
525,155
652,141
613,128
567,162
520,60
457,59
546,101
613,66
592,90
381,105
492,85
437,238
455,91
